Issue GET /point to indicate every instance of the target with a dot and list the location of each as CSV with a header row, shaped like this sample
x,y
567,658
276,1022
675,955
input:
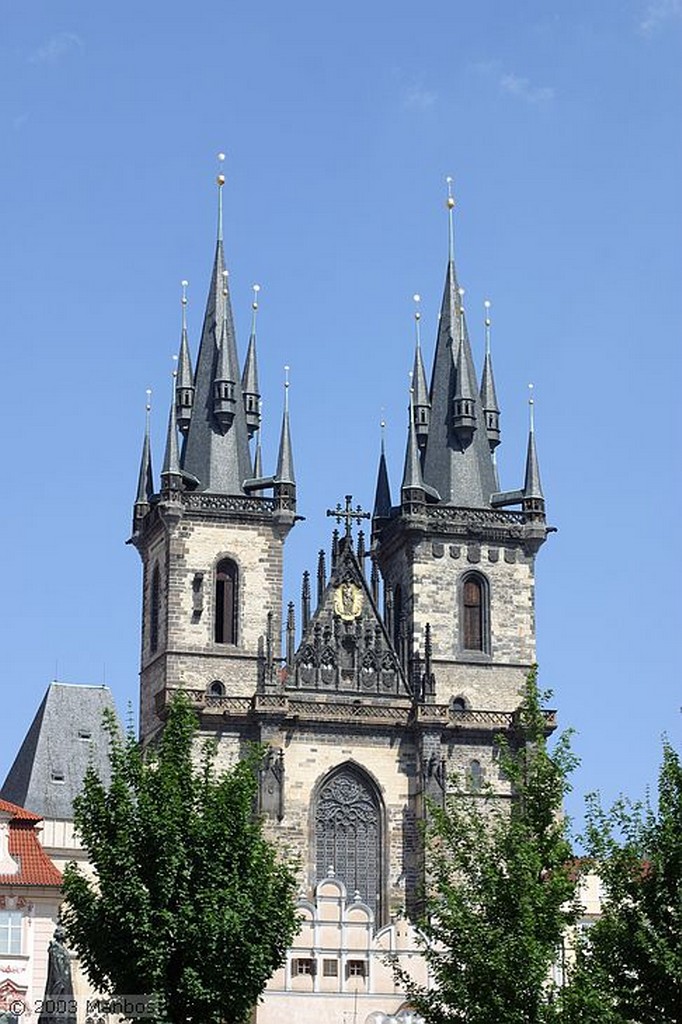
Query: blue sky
x,y
560,125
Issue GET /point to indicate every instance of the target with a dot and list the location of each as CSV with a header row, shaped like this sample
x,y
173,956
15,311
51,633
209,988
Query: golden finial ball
x,y
487,322
220,180
451,203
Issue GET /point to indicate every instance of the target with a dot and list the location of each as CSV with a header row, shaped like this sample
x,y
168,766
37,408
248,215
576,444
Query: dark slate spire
x,y
145,479
217,456
250,375
421,406
533,498
225,380
184,385
382,497
412,488
171,476
285,459
491,409
457,467
285,479
464,402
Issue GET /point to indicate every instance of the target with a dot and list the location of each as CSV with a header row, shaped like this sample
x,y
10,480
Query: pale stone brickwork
x,y
187,657
430,574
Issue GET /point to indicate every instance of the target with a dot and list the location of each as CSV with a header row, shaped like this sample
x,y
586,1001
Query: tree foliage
x,y
629,966
190,902
501,886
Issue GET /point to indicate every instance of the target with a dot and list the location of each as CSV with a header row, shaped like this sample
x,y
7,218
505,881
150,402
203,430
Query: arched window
x,y
216,688
475,616
347,822
226,587
154,606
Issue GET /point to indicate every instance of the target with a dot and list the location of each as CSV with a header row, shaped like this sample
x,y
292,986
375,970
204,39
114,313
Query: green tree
x,y
630,962
501,886
190,902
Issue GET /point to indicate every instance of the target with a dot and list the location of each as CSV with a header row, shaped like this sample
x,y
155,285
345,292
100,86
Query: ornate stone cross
x,y
348,514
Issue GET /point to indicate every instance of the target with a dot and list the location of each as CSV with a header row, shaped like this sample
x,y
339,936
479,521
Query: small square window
x,y
57,777
356,969
304,965
330,968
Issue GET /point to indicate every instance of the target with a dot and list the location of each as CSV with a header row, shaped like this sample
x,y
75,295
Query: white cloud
x,y
523,89
419,98
657,13
56,47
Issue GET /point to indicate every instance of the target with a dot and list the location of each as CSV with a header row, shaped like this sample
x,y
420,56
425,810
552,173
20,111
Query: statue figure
x,y
59,1005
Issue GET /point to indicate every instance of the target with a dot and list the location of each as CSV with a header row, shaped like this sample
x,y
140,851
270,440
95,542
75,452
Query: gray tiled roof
x,y
65,737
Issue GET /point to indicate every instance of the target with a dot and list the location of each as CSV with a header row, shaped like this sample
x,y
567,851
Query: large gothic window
x,y
348,835
226,583
475,613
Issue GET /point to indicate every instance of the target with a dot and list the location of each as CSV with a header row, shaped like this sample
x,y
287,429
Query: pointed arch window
x,y
347,823
226,595
475,613
154,610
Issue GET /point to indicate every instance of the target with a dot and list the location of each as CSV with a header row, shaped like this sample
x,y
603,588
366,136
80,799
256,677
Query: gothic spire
x,y
382,497
250,374
457,463
421,406
412,488
145,480
217,454
171,475
285,458
184,385
491,409
533,497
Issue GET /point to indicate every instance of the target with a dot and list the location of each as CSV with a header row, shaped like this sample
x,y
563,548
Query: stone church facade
x,y
412,642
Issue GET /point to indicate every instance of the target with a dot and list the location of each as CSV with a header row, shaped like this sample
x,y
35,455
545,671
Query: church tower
x,y
210,539
457,562
411,645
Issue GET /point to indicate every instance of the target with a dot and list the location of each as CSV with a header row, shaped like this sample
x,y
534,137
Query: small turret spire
x,y
421,406
533,497
464,402
171,476
184,389
382,496
250,375
145,480
224,398
491,409
412,488
285,479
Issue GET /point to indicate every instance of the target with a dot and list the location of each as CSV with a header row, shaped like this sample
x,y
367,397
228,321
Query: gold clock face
x,y
348,601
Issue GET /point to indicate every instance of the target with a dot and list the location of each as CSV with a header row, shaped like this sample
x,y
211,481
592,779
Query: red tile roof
x,y
35,867
18,812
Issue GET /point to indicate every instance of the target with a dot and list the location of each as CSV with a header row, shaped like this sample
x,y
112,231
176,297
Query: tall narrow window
x,y
348,835
226,584
474,613
154,602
